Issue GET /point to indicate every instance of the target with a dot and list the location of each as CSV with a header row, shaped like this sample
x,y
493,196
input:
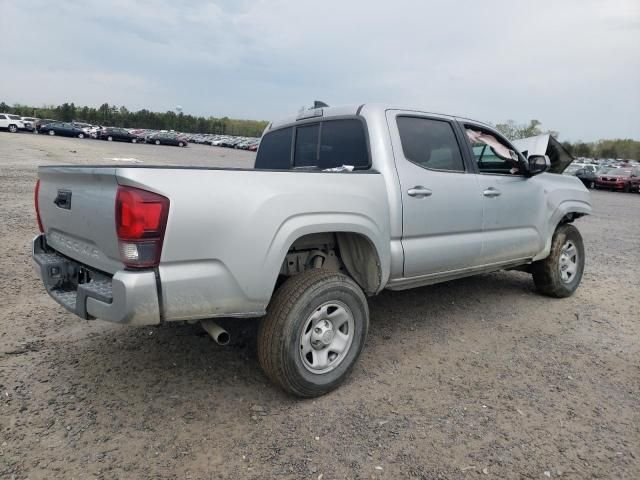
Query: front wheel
x,y
52,132
81,135
110,138
134,140
180,144
560,273
315,328
13,128
157,142
592,185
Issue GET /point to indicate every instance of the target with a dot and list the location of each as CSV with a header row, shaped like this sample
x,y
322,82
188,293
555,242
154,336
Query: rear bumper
x,y
614,185
127,297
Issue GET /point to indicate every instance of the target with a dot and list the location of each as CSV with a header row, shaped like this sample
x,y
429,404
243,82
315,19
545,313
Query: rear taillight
x,y
141,218
37,205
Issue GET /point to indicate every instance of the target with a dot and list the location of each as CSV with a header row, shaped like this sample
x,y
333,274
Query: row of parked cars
x,y
15,123
229,141
624,177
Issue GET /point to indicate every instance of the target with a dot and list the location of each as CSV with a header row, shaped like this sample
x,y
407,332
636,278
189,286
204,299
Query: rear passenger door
x,y
441,199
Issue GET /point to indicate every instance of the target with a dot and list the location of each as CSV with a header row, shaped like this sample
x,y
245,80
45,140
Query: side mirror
x,y
538,164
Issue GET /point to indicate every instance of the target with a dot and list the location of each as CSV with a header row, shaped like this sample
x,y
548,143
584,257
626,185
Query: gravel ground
x,y
479,377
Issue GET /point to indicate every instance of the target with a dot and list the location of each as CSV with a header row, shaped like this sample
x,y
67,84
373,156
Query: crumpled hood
x,y
545,144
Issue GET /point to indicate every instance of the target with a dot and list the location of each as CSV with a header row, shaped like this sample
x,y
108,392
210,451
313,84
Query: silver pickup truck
x,y
343,202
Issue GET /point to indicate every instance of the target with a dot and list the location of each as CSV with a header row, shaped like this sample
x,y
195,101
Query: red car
x,y
618,179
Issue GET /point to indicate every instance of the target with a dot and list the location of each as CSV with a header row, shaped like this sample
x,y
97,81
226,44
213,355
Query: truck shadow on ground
x,y
176,360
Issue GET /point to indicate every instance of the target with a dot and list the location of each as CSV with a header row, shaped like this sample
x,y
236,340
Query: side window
x,y
2,117
491,153
343,142
331,144
306,151
430,143
274,152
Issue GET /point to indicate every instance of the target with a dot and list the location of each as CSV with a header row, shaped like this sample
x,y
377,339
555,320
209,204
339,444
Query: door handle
x,y
419,191
492,192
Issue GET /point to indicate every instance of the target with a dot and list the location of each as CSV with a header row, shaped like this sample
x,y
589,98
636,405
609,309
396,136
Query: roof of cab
x,y
351,110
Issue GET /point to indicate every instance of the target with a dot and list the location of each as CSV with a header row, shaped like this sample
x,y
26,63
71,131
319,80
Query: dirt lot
x,y
475,378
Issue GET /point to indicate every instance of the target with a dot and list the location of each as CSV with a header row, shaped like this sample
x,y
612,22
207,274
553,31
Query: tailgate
x,y
77,209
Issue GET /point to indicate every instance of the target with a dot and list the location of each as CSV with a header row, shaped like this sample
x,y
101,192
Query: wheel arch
x,y
565,212
365,256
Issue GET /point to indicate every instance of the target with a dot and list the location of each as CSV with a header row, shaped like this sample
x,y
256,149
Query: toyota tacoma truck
x,y
342,203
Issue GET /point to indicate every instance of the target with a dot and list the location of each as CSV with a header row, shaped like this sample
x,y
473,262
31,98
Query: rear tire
x,y
110,139
592,185
180,144
81,135
52,132
134,140
157,142
559,274
315,328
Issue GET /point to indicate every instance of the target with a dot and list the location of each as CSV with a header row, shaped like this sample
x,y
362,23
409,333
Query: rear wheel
x,y
157,142
81,135
134,140
592,185
560,273
314,331
52,132
180,144
110,138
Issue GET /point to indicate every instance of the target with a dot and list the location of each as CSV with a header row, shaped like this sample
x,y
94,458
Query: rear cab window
x,y
326,144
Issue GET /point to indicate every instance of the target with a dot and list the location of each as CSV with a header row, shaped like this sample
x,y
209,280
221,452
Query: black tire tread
x,y
271,341
544,271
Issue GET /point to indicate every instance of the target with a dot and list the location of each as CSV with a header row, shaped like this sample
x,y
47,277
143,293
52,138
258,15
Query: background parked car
x,y
29,123
62,128
43,121
10,122
615,179
586,174
117,134
167,138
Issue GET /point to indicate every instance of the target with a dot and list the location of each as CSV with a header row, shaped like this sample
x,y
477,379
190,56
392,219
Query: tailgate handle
x,y
63,199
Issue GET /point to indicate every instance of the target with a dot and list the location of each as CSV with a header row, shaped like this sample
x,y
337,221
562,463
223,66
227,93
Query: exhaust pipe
x,y
219,334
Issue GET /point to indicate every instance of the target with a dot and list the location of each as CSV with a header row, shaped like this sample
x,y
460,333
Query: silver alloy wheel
x,y
110,138
81,135
327,337
568,262
13,128
52,132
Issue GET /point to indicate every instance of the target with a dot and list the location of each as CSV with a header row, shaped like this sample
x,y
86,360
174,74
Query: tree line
x,y
114,116
611,148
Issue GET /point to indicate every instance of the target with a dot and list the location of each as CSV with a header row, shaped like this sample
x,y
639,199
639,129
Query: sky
x,y
572,64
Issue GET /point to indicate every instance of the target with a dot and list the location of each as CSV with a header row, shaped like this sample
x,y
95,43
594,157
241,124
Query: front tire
x,y
110,139
314,331
134,140
13,128
559,274
157,142
52,132
81,135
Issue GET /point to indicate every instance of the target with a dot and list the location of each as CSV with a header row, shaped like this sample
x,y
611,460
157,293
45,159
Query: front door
x,y
441,199
514,204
